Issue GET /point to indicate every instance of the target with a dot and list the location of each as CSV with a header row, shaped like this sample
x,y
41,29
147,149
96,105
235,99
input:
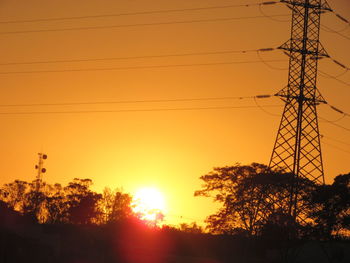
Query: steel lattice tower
x,y
297,147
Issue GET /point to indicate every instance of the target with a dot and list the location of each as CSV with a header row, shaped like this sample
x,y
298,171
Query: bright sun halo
x,y
149,203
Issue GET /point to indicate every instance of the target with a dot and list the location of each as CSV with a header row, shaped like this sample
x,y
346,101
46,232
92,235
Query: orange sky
x,y
169,150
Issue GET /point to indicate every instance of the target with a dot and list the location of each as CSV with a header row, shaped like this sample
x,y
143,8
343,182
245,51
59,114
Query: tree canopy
x,y
75,203
331,210
256,200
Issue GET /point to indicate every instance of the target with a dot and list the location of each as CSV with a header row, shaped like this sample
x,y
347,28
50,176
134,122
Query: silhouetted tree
x,y
106,204
82,203
24,197
191,228
115,205
13,194
33,205
121,208
75,203
331,210
250,195
56,205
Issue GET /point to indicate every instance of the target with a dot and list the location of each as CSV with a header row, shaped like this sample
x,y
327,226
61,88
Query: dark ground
x,y
22,240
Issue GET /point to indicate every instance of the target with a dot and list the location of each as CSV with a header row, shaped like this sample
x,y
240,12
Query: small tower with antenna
x,y
41,170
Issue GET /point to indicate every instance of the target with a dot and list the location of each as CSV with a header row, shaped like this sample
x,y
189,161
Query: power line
x,y
126,101
262,109
132,110
134,13
326,28
341,74
136,25
338,119
336,147
270,16
339,111
324,74
339,64
185,217
134,67
336,30
332,139
265,62
335,124
136,101
343,19
130,57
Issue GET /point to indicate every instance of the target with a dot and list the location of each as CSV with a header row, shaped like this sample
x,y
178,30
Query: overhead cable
x,y
335,140
261,107
127,101
134,67
343,114
265,62
340,17
136,101
328,29
135,25
137,13
339,64
131,110
335,124
339,111
324,74
129,57
343,19
272,17
336,147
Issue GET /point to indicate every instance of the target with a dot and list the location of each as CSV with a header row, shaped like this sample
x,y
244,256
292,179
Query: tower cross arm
x,y
323,5
318,51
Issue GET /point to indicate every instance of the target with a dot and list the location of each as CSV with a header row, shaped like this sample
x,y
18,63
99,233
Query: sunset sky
x,y
138,145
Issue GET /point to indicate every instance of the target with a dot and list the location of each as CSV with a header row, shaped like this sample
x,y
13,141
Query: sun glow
x,y
149,204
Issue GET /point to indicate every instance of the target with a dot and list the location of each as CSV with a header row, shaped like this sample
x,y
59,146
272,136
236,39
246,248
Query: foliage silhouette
x,y
331,210
253,196
75,203
75,224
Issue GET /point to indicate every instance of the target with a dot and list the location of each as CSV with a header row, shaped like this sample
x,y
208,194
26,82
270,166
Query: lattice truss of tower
x,y
297,147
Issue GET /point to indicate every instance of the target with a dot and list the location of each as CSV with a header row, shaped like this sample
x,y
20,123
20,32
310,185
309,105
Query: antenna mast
x,y
41,170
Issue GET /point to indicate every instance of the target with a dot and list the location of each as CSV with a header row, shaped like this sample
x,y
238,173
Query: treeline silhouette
x,y
75,203
41,222
256,201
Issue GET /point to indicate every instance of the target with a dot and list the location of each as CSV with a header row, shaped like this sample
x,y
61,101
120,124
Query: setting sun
x,y
149,203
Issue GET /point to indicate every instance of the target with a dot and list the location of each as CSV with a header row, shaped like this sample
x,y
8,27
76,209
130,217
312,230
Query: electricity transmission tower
x,y
297,147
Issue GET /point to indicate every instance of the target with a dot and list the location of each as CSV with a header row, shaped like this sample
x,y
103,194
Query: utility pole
x,y
41,170
297,148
